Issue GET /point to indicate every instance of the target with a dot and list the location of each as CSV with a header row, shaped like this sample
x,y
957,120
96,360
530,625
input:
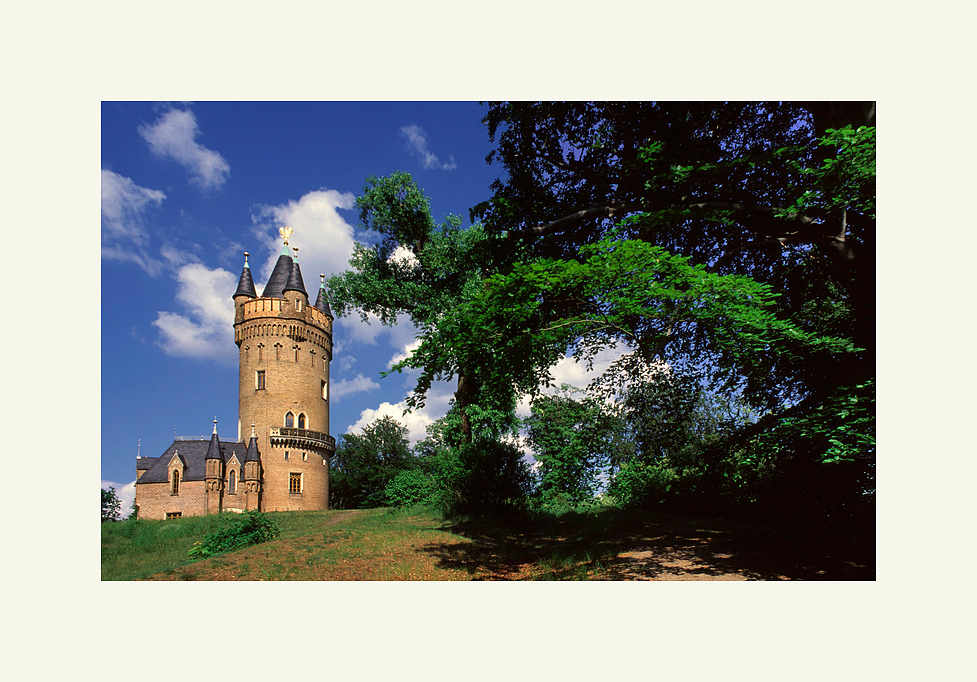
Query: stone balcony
x,y
283,436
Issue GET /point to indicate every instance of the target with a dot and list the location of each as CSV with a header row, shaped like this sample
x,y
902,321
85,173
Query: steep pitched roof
x,y
295,282
279,276
321,302
245,286
194,453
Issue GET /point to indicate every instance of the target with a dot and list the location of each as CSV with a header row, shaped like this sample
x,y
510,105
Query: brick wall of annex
x,y
155,501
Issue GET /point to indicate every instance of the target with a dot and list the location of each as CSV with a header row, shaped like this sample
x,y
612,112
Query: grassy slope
x,y
418,545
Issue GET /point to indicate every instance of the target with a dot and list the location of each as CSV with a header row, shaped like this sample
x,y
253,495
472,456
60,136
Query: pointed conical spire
x,y
279,276
252,454
321,302
295,282
245,286
214,449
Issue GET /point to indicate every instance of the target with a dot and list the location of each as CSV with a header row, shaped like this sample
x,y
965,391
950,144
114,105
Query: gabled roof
x,y
194,454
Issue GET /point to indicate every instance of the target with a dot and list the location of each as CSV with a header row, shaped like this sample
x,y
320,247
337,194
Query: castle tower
x,y
285,347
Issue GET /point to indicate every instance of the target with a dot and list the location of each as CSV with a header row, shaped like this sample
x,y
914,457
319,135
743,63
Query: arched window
x,y
289,420
232,483
302,420
175,483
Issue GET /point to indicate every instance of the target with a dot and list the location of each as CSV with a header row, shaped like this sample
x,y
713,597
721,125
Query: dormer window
x,y
232,483
175,483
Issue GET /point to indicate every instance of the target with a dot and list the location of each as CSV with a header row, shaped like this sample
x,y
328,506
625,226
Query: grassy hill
x,y
417,544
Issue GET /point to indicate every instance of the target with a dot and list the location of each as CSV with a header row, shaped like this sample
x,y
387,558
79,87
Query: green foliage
x,y
410,487
254,528
641,484
110,505
573,441
484,476
364,464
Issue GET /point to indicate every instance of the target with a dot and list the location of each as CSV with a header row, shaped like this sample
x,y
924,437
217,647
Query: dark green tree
x,y
364,464
110,505
781,192
573,439
423,269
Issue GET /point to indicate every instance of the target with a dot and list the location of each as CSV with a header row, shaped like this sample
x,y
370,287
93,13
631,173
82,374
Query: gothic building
x,y
285,347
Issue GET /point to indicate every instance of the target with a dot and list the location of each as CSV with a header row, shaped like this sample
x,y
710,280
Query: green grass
x,y
417,544
136,549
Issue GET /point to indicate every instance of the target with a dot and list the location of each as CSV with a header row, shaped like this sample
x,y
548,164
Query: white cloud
x,y
173,136
126,492
205,329
124,236
436,406
417,143
357,384
325,240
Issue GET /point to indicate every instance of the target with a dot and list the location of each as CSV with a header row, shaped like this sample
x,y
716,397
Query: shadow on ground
x,y
618,546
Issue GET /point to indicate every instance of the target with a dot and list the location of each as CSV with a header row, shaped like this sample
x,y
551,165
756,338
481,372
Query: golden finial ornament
x,y
286,233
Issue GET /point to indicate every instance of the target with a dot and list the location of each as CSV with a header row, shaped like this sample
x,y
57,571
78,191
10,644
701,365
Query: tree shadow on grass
x,y
615,545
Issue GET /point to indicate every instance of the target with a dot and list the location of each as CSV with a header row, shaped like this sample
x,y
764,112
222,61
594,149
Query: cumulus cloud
x,y
124,207
126,492
205,328
357,384
417,144
324,238
173,136
436,406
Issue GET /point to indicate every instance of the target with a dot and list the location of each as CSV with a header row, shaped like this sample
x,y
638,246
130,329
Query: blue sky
x,y
188,187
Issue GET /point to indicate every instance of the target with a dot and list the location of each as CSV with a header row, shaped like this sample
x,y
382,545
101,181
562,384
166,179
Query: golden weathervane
x,y
286,233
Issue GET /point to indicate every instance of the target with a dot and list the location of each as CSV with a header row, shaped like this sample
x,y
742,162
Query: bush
x,y
638,484
253,529
410,487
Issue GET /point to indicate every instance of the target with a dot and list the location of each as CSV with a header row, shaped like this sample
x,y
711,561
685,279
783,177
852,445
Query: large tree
x,y
364,464
759,189
422,269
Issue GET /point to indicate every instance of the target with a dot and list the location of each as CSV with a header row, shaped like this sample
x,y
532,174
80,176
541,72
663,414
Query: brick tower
x,y
285,349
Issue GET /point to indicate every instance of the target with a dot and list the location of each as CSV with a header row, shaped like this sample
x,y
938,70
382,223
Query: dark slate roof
x,y
279,276
194,453
143,463
245,286
252,455
321,303
214,447
295,282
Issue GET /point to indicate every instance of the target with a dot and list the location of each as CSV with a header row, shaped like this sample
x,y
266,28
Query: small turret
x,y
295,282
214,473
245,286
321,302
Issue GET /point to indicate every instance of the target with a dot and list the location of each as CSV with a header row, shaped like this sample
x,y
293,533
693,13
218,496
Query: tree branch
x,y
609,210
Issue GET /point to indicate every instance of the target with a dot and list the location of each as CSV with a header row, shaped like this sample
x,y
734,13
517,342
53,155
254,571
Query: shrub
x,y
638,484
253,529
409,487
